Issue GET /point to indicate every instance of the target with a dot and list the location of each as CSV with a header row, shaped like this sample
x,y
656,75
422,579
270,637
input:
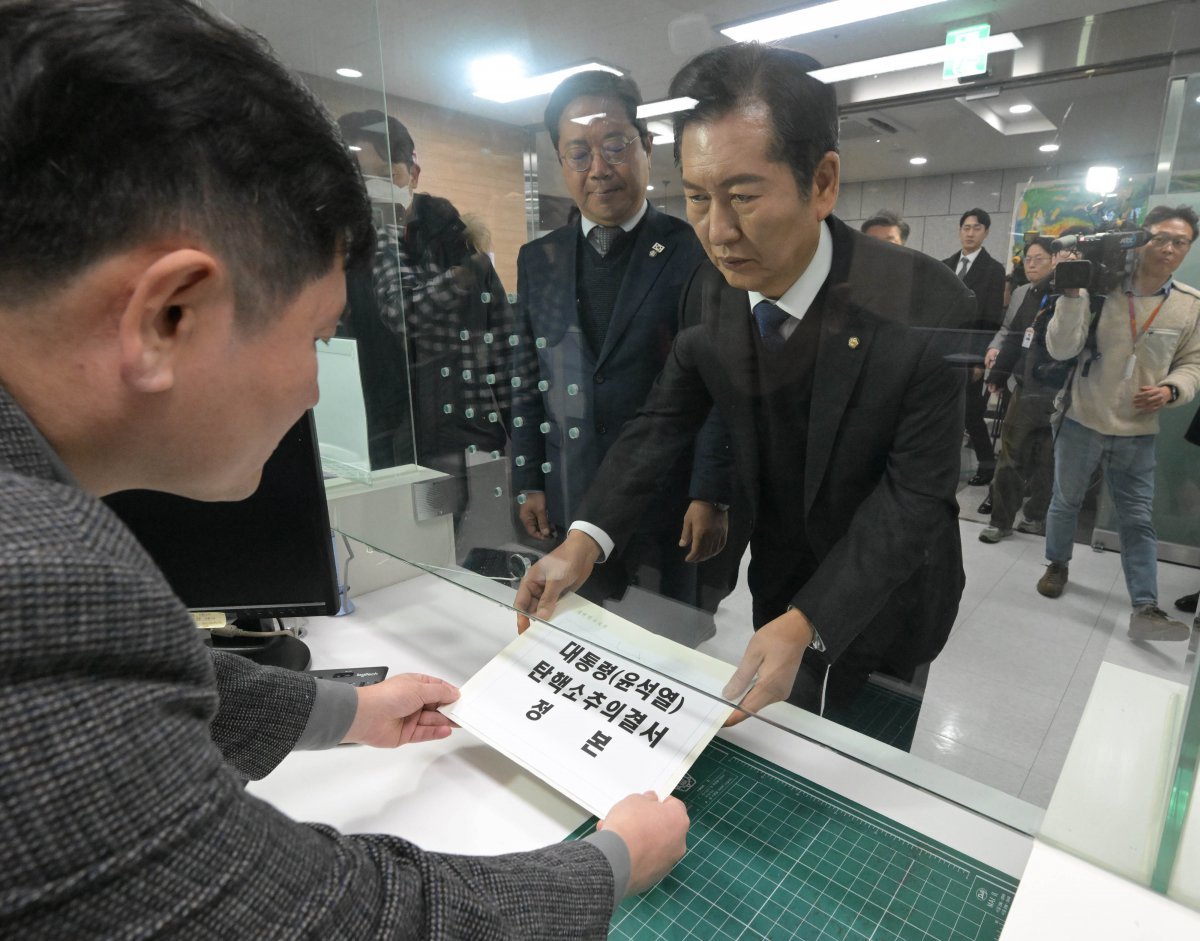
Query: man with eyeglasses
x,y
1141,354
1026,462
985,276
829,355
598,302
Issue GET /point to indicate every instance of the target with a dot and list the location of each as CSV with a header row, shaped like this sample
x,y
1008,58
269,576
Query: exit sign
x,y
966,51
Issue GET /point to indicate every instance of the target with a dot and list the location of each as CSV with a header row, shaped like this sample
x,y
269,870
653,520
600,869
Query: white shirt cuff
x,y
601,537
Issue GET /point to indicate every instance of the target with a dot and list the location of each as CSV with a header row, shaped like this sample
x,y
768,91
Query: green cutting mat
x,y
883,714
772,855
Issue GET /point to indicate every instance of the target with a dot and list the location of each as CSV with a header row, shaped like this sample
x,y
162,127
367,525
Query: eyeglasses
x,y
614,151
1162,241
972,227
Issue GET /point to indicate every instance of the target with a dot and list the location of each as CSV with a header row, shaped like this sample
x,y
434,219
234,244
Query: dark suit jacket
x,y
590,396
985,278
882,460
122,803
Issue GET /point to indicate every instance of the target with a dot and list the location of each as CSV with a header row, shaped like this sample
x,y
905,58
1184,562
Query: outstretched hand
x,y
553,575
402,710
655,833
771,662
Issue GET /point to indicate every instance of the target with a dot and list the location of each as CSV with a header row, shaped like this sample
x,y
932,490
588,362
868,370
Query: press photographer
x,y
1139,352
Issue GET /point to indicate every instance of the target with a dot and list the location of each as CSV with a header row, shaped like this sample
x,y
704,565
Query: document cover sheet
x,y
595,725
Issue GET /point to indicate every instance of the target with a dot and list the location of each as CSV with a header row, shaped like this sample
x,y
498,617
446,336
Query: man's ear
x,y
163,312
414,173
827,178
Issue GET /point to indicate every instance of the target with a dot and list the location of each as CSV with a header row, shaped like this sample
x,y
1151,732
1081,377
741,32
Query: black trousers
x,y
1026,465
981,441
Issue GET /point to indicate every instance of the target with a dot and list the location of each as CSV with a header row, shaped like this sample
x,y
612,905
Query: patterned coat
x,y
124,745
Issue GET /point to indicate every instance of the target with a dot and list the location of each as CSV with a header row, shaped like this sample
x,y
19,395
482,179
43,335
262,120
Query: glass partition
x,y
503,348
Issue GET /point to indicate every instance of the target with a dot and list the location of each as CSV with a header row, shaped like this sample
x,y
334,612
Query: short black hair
x,y
387,136
885,217
981,214
1163,213
1042,242
803,109
126,120
594,83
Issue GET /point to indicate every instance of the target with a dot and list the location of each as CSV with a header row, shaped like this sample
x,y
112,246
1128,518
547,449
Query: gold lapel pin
x,y
853,344
656,248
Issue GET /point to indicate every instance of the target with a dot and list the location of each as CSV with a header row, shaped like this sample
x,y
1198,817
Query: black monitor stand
x,y
277,651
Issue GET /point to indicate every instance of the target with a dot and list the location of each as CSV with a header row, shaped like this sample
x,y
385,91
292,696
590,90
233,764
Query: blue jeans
x,y
1128,463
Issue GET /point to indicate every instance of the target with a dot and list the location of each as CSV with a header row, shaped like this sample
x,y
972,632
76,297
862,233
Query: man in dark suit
x,y
824,352
174,231
985,276
599,301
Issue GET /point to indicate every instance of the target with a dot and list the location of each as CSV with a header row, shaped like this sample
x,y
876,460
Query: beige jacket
x,y
1168,353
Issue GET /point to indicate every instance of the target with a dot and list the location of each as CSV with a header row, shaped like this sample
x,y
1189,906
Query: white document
x,y
596,726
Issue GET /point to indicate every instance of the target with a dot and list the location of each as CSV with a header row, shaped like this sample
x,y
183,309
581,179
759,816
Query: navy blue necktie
x,y
770,318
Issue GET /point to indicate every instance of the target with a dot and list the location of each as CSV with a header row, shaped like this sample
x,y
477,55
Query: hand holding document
x,y
594,724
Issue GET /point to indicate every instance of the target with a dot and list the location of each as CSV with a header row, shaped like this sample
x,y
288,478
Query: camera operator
x,y
1140,353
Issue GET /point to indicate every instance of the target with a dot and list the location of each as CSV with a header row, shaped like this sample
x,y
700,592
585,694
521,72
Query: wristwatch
x,y
1174,392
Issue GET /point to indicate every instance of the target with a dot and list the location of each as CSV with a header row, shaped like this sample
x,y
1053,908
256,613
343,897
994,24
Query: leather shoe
x,y
985,508
1054,581
981,479
1187,603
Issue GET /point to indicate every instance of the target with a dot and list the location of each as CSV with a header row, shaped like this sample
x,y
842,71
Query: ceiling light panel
x,y
813,19
934,55
514,88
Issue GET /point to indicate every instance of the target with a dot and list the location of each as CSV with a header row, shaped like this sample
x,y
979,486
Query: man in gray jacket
x,y
173,231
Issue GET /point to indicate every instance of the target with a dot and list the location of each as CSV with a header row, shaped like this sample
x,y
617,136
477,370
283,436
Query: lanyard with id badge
x,y
1135,334
1027,340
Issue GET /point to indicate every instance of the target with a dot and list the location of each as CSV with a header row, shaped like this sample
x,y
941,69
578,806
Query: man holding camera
x,y
1140,354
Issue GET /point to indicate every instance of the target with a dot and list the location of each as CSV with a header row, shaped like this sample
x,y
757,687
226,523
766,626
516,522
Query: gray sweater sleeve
x,y
333,711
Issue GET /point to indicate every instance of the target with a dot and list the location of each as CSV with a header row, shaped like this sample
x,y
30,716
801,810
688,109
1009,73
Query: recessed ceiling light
x,y
934,55
1020,109
918,161
353,147
649,187
1049,148
501,79
349,73
813,19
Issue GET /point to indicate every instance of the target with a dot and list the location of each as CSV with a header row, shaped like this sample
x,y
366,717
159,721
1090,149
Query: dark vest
x,y
782,406
598,282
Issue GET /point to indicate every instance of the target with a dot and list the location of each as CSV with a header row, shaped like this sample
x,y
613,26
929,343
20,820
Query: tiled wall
x,y
932,205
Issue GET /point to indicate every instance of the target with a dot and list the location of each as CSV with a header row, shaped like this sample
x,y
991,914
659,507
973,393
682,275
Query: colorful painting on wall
x,y
1053,208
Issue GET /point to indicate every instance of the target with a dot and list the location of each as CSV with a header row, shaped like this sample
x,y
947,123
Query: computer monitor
x,y
268,556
